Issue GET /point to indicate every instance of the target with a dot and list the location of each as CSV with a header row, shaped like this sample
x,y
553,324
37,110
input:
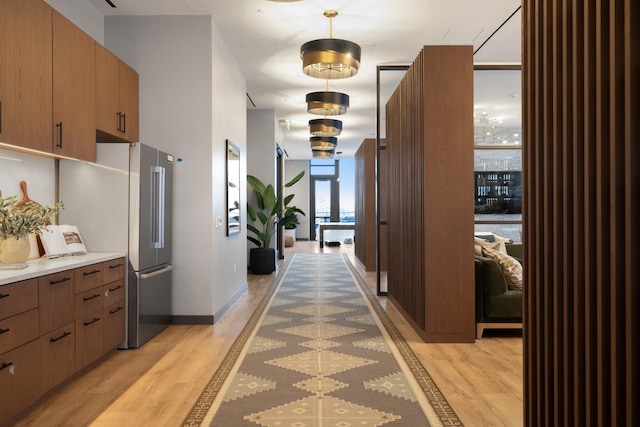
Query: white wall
x,y
301,191
185,112
38,172
83,14
261,151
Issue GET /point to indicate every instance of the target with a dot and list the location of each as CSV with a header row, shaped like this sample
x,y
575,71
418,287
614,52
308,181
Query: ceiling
x,y
265,37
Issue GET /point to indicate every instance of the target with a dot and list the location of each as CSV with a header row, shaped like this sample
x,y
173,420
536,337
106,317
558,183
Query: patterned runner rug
x,y
320,351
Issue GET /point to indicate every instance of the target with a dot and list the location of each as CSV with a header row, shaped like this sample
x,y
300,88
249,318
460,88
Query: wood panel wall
x,y
429,139
581,123
365,228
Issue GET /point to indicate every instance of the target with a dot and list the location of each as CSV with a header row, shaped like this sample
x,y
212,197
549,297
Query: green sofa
x,y
497,307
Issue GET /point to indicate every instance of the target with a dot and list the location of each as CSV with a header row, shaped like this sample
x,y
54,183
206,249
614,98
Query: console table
x,y
333,226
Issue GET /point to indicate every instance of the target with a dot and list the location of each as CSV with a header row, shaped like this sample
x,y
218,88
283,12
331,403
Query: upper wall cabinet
x,y
25,74
74,91
116,98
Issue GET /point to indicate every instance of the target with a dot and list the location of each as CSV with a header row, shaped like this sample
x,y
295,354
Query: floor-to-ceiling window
x,y
498,150
332,195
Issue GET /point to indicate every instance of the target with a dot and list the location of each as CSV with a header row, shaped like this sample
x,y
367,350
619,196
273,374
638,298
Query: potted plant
x,y
17,221
290,227
262,258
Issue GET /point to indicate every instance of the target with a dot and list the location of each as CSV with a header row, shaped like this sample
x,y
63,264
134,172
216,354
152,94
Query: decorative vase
x,y
289,237
14,250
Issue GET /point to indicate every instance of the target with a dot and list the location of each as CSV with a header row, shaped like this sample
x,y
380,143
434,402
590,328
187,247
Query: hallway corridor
x,y
157,384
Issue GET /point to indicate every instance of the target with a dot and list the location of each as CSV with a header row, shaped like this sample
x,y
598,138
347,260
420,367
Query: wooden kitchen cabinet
x,y
55,325
89,339
55,300
114,325
116,98
18,297
74,91
25,74
19,329
58,356
19,379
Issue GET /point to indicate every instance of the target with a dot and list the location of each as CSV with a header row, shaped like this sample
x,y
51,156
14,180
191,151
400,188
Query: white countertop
x,y
41,267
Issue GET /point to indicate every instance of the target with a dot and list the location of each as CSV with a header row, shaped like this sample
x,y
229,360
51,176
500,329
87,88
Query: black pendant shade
x,y
325,127
330,58
323,154
327,103
323,142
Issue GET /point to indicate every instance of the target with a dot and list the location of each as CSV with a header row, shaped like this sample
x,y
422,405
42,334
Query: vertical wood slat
x,y
430,211
365,228
581,226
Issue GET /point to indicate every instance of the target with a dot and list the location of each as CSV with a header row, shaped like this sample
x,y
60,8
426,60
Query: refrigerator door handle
x,y
156,273
157,226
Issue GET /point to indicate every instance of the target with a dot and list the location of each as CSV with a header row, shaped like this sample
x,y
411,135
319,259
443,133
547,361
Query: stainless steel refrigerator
x,y
124,205
149,280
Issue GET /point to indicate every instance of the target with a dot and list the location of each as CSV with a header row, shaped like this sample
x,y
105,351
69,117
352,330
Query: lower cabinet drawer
x,y
89,339
89,301
58,356
18,330
18,297
113,292
19,379
114,325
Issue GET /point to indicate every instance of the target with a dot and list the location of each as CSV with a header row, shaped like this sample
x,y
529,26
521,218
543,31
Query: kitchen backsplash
x,y
37,172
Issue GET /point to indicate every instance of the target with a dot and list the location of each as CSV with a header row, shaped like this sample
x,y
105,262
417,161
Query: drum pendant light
x,y
325,127
322,143
327,103
330,58
323,154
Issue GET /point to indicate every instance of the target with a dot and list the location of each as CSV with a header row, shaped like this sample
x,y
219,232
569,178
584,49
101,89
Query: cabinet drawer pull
x,y
116,288
59,126
119,128
95,319
116,265
4,295
89,273
2,331
124,123
116,310
65,334
5,365
94,296
55,282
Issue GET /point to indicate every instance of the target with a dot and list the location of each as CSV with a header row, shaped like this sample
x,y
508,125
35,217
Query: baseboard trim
x,y
192,320
227,305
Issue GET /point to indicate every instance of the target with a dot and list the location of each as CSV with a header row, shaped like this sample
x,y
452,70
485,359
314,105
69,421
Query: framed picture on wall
x,y
233,189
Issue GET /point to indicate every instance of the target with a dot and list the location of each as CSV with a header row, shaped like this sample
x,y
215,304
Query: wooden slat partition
x,y
365,228
429,152
581,123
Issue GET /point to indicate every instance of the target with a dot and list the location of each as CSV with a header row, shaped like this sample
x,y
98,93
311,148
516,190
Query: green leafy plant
x,y
19,219
268,205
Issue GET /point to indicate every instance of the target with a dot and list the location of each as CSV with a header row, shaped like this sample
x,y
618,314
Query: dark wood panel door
x,y
89,339
57,355
55,300
129,103
19,380
107,91
74,91
25,74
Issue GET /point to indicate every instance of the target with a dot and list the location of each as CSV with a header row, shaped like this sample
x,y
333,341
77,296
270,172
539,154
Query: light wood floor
x,y
157,384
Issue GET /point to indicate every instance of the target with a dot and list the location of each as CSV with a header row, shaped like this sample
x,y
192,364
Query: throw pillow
x,y
489,237
510,267
502,239
481,243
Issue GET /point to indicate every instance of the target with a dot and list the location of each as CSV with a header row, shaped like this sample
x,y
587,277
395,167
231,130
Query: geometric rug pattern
x,y
320,351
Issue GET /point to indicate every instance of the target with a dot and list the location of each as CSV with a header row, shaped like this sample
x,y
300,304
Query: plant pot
x,y
14,250
262,261
289,237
